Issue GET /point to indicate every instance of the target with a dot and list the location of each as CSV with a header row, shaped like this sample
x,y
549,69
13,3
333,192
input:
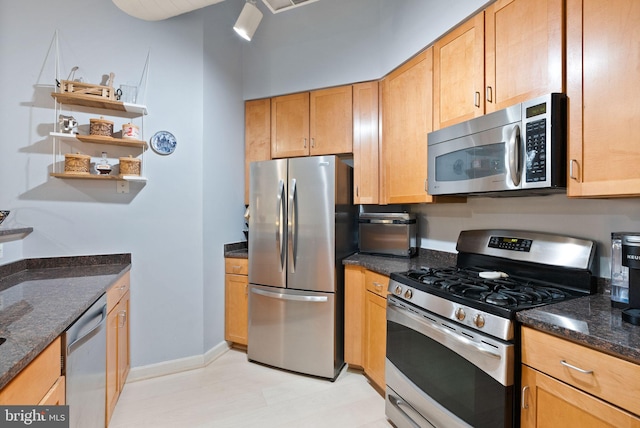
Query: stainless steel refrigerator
x,y
302,224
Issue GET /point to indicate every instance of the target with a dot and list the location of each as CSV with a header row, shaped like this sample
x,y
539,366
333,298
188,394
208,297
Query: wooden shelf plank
x,y
97,139
98,102
99,177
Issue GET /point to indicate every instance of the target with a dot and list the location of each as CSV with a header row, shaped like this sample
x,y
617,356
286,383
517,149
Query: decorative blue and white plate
x,y
163,143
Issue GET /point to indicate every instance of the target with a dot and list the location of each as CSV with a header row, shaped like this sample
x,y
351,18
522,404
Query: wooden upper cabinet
x,y
524,55
365,143
406,117
290,125
257,136
458,75
603,91
331,121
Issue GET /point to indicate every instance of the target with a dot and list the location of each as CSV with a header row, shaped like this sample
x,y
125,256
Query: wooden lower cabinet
x,y
354,318
118,334
375,337
366,321
236,299
41,382
569,385
547,402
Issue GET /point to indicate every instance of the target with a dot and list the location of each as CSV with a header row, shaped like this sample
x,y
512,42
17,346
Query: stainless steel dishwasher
x,y
85,344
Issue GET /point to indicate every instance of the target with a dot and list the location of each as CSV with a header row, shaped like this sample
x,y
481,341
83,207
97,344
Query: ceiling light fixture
x,y
248,20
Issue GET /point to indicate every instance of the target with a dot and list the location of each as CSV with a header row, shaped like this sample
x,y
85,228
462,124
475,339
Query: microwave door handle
x,y
280,225
515,155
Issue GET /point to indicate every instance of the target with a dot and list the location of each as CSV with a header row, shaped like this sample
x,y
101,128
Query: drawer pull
x,y
578,369
378,286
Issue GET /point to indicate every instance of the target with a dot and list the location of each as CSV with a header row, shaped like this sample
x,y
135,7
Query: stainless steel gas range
x,y
453,354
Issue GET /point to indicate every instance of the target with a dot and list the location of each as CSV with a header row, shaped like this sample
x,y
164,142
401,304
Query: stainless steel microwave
x,y
521,148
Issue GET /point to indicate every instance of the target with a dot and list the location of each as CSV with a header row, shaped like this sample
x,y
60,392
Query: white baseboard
x,y
179,365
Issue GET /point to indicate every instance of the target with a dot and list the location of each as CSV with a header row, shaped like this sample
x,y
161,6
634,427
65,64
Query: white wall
x,y
160,223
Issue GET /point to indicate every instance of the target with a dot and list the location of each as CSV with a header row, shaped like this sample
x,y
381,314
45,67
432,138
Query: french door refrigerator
x,y
302,224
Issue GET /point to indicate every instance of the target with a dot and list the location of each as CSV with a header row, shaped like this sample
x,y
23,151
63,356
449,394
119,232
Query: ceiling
x,y
157,10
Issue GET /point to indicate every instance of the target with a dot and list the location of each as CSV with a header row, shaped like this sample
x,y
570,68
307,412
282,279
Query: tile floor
x,y
232,392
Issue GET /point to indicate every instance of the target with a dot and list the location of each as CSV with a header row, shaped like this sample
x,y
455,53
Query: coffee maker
x,y
631,259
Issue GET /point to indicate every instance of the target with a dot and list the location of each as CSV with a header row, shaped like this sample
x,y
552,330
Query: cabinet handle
x,y
578,369
476,99
378,286
571,172
122,287
123,319
357,191
523,402
305,143
313,143
489,94
236,268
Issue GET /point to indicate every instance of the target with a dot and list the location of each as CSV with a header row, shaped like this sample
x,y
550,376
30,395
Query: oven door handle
x,y
444,331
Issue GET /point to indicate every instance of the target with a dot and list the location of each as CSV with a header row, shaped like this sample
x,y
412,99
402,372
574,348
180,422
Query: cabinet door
x,y
257,136
331,121
376,338
458,80
547,402
365,143
124,361
56,395
236,308
354,318
406,115
524,51
290,125
602,47
112,362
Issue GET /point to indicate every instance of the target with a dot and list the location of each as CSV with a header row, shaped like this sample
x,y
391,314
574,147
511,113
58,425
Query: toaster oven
x,y
390,234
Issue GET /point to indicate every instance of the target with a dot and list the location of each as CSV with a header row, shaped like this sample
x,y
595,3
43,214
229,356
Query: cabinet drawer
x,y
236,266
117,290
592,371
376,283
35,380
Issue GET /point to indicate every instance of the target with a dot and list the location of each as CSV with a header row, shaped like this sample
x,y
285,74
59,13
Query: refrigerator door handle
x,y
294,297
293,218
280,224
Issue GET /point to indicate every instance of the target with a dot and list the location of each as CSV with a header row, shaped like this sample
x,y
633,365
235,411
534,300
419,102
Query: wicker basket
x,y
130,166
101,127
76,163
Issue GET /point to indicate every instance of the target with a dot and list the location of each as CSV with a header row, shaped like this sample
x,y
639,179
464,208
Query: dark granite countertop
x,y
589,321
238,250
40,298
385,265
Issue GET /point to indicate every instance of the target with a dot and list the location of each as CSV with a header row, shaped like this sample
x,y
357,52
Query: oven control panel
x,y
510,243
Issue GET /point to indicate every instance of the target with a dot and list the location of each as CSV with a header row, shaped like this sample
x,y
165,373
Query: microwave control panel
x,y
536,151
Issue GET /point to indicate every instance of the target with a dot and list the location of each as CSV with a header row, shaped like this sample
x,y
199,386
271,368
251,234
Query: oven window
x,y
474,162
449,379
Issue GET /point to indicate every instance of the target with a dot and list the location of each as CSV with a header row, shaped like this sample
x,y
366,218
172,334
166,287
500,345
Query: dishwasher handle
x,y
88,335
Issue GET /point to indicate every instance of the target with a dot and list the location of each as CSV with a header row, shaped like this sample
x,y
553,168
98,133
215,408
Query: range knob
x,y
478,320
408,294
397,291
460,314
